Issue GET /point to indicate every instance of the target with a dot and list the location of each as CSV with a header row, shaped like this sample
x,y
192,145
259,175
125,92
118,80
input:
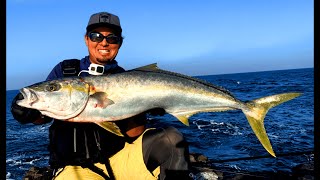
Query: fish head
x,y
60,99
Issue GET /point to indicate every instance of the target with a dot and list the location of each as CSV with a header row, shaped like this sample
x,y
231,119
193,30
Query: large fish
x,y
109,98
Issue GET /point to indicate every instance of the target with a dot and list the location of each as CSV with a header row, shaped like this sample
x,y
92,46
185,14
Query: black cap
x,y
104,19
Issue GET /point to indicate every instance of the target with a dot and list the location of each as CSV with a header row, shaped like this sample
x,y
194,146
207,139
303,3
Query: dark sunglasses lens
x,y
96,37
113,39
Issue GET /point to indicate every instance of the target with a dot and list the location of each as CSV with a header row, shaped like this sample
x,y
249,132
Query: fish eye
x,y
53,87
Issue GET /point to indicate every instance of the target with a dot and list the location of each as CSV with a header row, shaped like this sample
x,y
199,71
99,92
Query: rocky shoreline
x,y
203,170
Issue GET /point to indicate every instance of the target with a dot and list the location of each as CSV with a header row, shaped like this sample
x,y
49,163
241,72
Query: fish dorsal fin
x,y
154,68
149,67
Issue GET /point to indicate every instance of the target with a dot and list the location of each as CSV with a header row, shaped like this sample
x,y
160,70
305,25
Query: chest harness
x,y
71,67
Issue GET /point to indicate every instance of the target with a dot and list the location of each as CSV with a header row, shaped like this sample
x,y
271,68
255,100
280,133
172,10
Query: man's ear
x,y
121,42
86,40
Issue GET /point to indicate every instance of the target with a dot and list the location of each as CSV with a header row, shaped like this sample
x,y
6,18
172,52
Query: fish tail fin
x,y
257,110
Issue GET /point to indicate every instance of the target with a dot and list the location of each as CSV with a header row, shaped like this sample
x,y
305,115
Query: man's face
x,y
101,52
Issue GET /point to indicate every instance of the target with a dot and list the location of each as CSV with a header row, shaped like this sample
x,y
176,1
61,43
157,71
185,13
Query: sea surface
x,y
218,135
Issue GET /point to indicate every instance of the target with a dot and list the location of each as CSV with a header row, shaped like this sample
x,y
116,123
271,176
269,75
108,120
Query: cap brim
x,y
97,25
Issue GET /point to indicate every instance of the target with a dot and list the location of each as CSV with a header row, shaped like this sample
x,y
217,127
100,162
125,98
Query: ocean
x,y
218,135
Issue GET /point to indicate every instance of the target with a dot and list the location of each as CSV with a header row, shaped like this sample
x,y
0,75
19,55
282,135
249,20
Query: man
x,y
87,151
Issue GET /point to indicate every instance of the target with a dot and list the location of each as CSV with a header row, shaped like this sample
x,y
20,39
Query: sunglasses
x,y
98,37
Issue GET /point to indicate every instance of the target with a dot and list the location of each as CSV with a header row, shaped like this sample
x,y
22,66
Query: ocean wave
x,y
8,175
218,127
17,160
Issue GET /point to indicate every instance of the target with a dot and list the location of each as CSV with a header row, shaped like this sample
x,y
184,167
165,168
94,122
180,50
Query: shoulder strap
x,y
70,67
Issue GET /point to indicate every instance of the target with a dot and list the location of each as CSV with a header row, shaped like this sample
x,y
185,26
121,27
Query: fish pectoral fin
x,y
101,99
111,127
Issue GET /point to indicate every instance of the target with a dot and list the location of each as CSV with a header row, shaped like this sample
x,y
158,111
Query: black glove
x,y
156,112
22,114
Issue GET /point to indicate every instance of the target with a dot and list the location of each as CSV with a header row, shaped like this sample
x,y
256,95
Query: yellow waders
x,y
126,164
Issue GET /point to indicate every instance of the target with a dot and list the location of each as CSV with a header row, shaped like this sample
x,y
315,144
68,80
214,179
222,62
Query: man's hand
x,y
22,114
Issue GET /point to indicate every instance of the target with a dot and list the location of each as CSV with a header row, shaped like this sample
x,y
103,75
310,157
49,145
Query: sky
x,y
204,37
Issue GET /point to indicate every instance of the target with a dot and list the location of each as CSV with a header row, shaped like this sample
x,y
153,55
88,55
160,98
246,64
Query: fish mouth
x,y
29,95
